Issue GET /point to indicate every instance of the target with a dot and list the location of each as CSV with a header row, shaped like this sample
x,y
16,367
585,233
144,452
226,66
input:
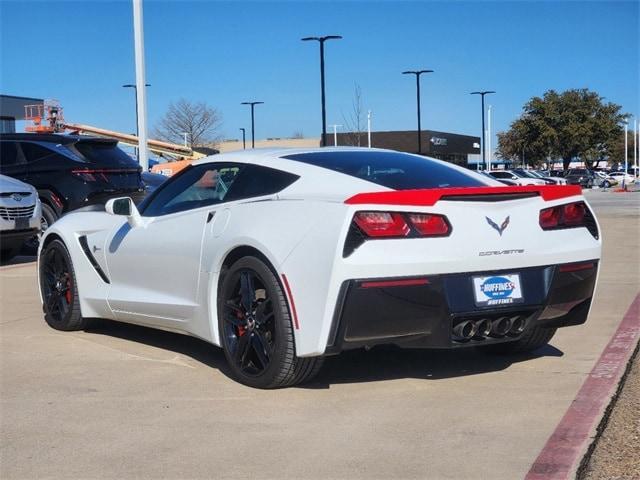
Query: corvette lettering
x,y
500,252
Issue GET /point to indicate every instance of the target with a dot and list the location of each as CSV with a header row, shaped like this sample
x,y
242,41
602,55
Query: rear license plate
x,y
496,290
22,223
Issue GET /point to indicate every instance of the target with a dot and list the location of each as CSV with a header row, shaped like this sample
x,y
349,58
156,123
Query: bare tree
x,y
199,121
354,122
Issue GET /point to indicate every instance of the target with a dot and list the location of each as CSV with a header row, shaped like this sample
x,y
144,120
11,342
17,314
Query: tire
x,y
258,341
49,216
61,304
531,339
606,184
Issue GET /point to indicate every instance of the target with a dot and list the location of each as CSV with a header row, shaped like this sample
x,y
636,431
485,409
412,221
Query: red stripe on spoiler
x,y
429,197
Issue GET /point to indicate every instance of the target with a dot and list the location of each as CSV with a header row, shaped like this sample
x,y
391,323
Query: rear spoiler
x,y
429,197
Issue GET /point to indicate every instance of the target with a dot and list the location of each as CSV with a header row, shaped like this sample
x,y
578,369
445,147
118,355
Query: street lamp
x,y
321,41
253,139
244,142
135,92
484,157
417,73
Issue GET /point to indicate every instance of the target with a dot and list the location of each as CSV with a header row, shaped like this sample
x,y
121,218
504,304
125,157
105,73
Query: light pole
x,y
244,142
135,92
253,138
185,134
484,147
417,73
335,134
369,129
321,41
626,155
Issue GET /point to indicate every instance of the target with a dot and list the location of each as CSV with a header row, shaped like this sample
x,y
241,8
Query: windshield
x,y
524,174
105,154
396,170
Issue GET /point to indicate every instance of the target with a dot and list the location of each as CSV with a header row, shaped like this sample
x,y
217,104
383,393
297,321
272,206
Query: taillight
x,y
429,225
564,216
400,224
382,224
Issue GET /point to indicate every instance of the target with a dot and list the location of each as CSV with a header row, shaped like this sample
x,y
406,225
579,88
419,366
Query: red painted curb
x,y
561,455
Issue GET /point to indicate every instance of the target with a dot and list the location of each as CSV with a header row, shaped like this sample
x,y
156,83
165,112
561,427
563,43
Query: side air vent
x,y
92,259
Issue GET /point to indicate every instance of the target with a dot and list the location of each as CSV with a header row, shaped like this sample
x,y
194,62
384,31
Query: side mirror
x,y
124,206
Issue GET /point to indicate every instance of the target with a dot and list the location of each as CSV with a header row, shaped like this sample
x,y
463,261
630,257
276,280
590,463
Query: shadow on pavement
x,y
354,366
390,363
192,347
19,260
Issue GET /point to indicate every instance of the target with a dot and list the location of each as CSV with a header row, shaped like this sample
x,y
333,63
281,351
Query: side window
x,y
256,181
34,152
9,154
196,187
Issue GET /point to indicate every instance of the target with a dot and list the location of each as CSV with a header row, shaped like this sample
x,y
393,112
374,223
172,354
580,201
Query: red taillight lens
x,y
550,217
429,225
382,224
573,214
563,216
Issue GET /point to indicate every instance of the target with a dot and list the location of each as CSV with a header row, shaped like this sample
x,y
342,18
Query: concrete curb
x,y
561,456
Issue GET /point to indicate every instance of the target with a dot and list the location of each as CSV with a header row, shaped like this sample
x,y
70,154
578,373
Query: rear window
x,y
105,155
396,170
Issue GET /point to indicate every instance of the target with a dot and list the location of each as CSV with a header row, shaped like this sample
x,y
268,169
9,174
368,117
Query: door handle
x,y
210,216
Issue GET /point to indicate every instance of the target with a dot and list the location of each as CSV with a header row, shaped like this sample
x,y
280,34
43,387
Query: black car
x,y
580,176
70,171
152,181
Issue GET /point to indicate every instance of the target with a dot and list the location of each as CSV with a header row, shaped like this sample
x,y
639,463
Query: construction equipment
x,y
48,118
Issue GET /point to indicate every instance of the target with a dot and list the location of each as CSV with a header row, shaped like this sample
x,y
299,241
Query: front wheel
x,y
61,304
255,328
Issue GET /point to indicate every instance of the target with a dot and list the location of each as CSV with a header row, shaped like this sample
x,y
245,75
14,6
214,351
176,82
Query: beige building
x,y
233,145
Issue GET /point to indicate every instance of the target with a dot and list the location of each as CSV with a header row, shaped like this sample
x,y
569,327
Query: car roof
x,y
56,138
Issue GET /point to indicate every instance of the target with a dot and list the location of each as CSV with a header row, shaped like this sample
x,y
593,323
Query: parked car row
x,y
66,172
584,177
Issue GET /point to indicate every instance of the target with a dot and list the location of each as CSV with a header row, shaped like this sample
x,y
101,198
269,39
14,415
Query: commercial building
x,y
12,109
450,147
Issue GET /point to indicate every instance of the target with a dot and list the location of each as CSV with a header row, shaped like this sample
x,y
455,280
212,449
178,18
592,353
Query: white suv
x,y
20,213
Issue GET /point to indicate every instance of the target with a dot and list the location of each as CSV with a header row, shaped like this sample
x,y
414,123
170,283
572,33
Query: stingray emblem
x,y
497,228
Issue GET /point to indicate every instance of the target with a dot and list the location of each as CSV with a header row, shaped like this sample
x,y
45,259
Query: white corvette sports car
x,y
282,257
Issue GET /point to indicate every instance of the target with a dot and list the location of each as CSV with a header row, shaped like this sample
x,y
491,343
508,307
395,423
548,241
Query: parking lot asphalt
x,y
120,401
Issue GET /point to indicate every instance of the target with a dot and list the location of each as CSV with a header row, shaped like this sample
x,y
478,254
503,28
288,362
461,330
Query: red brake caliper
x,y
67,294
241,330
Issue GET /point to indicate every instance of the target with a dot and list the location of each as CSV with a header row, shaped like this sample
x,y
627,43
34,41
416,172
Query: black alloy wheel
x,y
255,327
61,305
249,327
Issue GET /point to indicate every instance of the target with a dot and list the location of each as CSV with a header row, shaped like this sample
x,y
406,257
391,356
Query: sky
x,y
224,53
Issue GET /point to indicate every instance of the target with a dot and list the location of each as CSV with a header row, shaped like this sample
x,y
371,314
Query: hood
x,y
11,185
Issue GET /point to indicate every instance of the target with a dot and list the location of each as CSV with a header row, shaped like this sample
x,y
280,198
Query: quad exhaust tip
x,y
517,326
465,330
485,327
500,327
